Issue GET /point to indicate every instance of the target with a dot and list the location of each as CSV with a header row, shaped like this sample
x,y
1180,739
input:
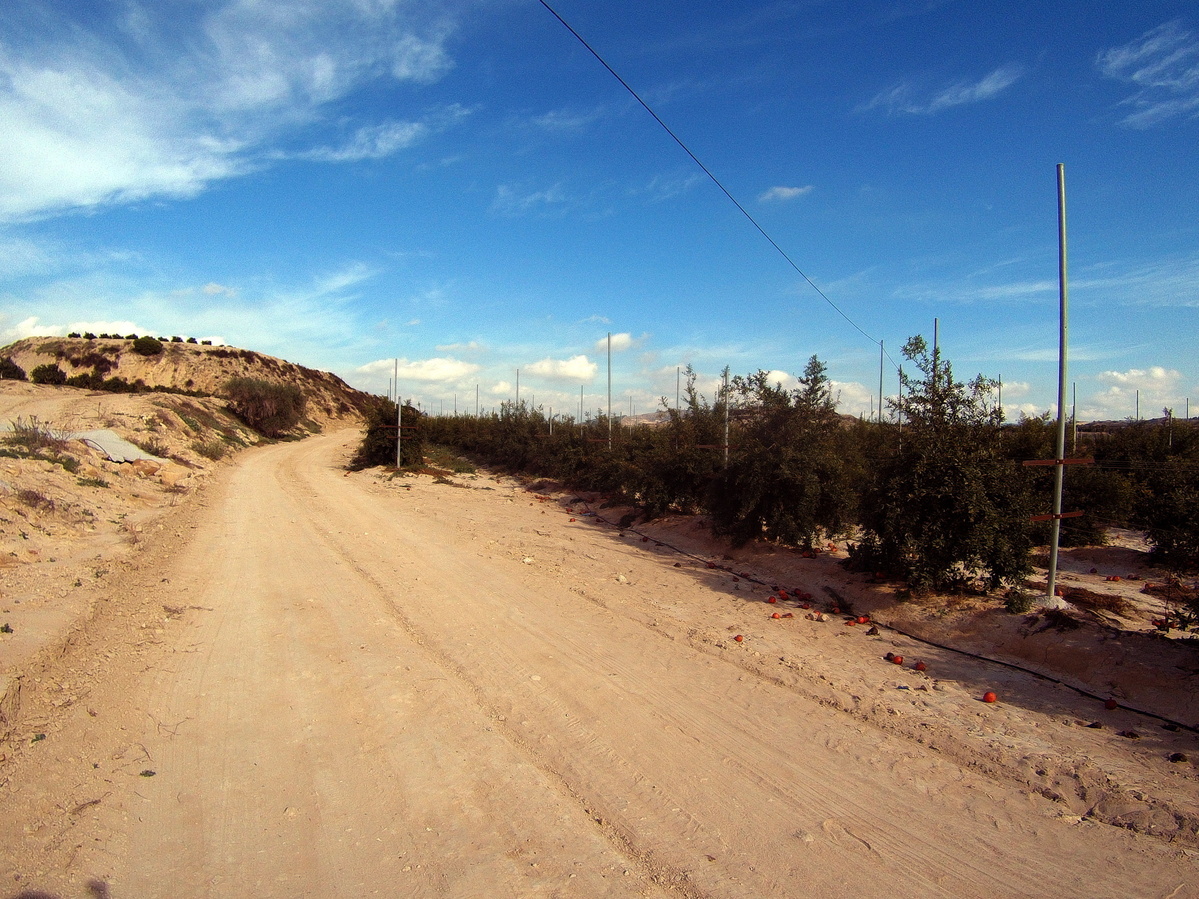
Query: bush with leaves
x,y
269,408
10,371
789,478
378,446
946,506
147,346
48,374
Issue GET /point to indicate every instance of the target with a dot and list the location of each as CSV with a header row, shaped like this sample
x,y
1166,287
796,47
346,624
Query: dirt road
x,y
340,688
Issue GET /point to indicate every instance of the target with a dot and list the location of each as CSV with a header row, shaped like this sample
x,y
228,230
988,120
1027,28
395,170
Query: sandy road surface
x,y
361,690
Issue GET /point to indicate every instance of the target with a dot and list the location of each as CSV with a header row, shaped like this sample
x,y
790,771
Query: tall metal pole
x,y
609,390
726,417
936,349
399,418
518,387
678,375
1074,421
880,382
476,399
1063,335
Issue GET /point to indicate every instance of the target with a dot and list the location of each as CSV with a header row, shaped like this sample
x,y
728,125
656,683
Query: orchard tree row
x,y
939,497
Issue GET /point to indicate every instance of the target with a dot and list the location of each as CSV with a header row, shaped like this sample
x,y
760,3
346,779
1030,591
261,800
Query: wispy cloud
x,y
513,200
568,120
91,121
783,194
905,98
1163,64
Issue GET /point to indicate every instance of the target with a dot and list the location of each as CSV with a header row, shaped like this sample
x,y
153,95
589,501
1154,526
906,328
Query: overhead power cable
x,y
714,179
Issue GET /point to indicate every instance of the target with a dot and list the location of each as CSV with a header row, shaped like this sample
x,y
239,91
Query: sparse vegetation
x,y
152,445
35,499
214,450
270,408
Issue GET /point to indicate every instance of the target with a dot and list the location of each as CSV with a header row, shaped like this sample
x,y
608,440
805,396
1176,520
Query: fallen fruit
x,y
771,599
738,638
920,666
990,697
806,605
851,622
788,614
1111,704
898,660
776,615
574,519
862,619
890,657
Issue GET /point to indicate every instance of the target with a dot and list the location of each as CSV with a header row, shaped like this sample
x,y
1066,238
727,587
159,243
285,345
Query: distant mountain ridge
x,y
188,367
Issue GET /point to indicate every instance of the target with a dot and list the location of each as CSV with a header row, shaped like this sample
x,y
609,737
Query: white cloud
x,y
1155,387
442,370
853,398
782,194
91,120
577,368
1163,63
903,98
775,377
620,343
32,327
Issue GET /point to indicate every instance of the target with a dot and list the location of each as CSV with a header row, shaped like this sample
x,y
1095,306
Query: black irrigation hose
x,y
963,652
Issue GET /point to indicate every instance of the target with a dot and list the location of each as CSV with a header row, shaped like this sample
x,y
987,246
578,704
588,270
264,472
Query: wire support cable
x,y
745,212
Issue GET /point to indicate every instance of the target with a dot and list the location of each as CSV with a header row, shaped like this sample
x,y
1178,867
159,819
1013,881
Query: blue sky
x,y
462,186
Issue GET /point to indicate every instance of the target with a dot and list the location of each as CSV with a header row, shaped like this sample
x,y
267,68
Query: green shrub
x,y
211,449
946,500
378,445
269,408
147,346
48,374
151,445
10,371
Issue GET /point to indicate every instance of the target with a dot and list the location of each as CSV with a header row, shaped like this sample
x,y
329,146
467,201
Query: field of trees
x,y
938,497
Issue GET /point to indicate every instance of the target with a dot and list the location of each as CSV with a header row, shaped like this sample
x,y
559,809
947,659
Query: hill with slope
x,y
110,363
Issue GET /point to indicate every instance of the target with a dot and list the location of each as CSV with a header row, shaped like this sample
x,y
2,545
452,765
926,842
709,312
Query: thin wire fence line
x,y
716,181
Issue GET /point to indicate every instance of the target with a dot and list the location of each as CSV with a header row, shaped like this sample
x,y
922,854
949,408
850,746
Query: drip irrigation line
x,y
924,640
1038,674
745,212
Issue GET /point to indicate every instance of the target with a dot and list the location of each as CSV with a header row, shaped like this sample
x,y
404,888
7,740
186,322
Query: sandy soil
x,y
306,683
